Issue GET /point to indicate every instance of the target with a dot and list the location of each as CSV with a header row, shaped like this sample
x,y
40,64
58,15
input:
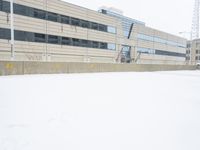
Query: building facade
x,y
193,52
53,30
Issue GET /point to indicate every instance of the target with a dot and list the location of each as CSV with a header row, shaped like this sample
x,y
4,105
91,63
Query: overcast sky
x,y
172,16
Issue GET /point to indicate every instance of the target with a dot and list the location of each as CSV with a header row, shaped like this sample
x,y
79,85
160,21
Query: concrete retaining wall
x,y
23,67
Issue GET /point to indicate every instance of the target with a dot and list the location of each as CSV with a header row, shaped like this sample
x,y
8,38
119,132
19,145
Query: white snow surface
x,y
101,111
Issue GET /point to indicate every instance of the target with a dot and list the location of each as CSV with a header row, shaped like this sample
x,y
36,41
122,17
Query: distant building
x,y
193,52
59,31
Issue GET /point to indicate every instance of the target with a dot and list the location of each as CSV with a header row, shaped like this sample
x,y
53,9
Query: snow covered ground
x,y
104,111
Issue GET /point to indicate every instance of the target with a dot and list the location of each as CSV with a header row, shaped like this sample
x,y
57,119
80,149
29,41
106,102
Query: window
x,y
167,53
94,26
20,35
66,41
103,45
94,44
76,42
84,24
5,34
102,27
196,57
40,37
65,19
104,11
111,29
53,39
111,46
39,14
197,51
149,38
84,43
21,10
188,45
52,17
6,6
188,52
75,22
146,50
1,3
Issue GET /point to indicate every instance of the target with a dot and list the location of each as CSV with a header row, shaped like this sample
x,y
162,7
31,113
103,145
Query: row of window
x,y
145,50
52,39
197,51
159,52
41,14
188,45
159,40
187,51
197,57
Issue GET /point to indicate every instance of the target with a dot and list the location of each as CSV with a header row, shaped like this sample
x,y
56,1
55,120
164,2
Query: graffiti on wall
x,y
32,57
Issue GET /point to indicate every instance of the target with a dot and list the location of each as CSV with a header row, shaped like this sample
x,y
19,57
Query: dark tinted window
x,y
103,45
20,35
76,42
5,34
53,39
66,41
84,43
1,3
84,24
39,37
6,6
104,11
94,26
102,27
160,52
21,10
94,44
75,21
65,19
52,17
39,14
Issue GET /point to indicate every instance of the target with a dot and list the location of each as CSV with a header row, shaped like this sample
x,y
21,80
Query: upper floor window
x,y
76,42
103,45
75,21
111,46
111,29
65,19
84,24
94,44
94,26
5,34
66,41
52,17
5,6
39,37
85,43
53,39
39,14
102,27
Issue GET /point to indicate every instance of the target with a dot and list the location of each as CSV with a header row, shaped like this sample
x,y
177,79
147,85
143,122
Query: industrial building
x,y
193,52
53,30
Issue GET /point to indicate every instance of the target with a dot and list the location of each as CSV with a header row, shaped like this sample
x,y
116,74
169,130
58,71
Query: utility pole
x,y
12,31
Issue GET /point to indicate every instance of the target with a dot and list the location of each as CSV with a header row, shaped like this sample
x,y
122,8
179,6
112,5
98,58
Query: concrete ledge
x,y
26,67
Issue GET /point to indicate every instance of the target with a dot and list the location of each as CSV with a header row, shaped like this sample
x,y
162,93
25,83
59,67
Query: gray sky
x,y
172,16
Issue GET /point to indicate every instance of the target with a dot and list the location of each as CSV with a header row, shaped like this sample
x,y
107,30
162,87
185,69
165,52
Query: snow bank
x,y
105,111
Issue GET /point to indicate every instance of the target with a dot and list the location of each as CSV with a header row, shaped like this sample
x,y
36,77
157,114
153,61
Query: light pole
x,y
190,33
12,30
